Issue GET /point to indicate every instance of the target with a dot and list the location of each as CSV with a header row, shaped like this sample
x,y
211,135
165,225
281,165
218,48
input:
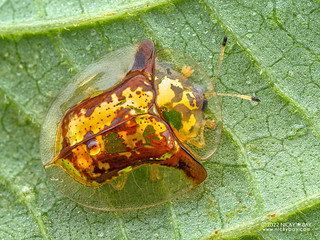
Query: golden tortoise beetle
x,y
128,131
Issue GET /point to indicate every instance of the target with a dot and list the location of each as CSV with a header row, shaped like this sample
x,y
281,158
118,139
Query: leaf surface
x,y
266,169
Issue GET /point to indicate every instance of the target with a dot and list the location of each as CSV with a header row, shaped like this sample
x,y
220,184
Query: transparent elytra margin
x,y
139,190
170,62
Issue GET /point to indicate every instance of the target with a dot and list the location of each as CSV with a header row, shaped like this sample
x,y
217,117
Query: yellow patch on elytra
x,y
102,165
125,170
187,125
185,100
139,101
166,94
104,114
143,121
101,143
84,159
127,154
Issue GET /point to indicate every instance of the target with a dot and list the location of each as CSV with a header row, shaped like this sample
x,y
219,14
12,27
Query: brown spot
x,y
144,58
178,92
98,170
89,111
191,99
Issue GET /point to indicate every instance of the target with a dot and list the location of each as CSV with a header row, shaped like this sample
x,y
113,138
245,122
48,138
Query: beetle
x,y
129,131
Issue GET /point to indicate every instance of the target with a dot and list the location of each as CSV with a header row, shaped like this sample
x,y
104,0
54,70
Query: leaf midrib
x,y
260,222
45,25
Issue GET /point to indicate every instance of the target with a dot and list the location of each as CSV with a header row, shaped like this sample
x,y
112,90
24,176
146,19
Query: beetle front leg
x,y
200,143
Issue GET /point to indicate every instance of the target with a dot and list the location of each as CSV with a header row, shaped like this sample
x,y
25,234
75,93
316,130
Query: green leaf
x,y
266,169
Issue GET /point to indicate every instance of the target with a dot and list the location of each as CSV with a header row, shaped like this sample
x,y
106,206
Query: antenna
x,y
220,59
211,92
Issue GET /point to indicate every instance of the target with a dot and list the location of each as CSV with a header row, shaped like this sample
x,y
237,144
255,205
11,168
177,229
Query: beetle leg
x,y
187,71
200,143
119,182
154,173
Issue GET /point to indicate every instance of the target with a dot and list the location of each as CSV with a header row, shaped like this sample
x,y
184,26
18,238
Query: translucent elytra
x,y
171,64
95,160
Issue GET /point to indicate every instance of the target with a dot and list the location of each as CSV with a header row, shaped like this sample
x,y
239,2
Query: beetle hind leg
x,y
119,183
154,173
